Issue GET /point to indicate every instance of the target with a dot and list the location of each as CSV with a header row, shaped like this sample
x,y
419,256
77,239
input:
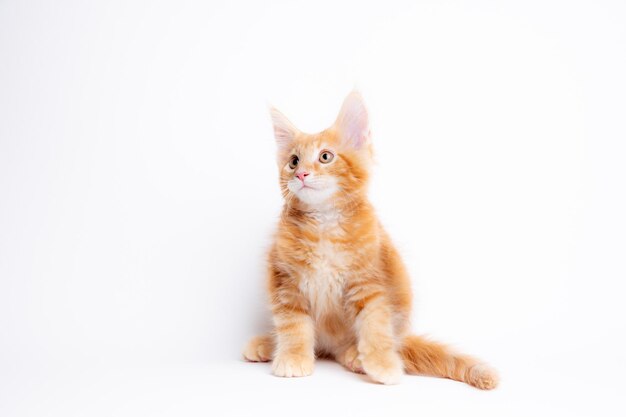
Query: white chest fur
x,y
323,283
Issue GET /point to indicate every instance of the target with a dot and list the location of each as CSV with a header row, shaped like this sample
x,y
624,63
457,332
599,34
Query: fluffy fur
x,y
338,288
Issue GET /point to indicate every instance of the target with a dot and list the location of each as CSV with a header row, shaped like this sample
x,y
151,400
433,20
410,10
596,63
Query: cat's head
x,y
330,166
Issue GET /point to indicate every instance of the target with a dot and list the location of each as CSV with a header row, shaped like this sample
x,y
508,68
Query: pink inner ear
x,y
284,130
357,132
353,121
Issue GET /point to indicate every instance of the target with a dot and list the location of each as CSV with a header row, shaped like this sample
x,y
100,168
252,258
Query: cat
x,y
337,285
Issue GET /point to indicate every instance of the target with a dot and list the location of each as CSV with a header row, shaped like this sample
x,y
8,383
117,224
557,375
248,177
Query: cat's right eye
x,y
293,162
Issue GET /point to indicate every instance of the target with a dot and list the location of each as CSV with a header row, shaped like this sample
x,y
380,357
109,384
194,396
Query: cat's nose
x,y
301,175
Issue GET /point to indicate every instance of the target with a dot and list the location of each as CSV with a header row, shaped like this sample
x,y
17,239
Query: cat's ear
x,y
353,121
284,130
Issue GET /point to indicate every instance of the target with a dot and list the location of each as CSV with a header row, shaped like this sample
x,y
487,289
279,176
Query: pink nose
x,y
301,175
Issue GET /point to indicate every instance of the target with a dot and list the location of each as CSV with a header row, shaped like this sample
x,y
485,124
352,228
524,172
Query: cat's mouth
x,y
314,191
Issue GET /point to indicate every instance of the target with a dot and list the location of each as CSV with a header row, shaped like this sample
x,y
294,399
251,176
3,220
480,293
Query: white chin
x,y
314,196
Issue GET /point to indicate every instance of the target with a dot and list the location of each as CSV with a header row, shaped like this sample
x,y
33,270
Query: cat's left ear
x,y
284,131
353,121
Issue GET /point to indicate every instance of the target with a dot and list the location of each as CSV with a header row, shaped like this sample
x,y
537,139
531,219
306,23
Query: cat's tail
x,y
424,357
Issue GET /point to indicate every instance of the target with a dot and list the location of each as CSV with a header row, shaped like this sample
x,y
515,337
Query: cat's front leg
x,y
295,342
376,343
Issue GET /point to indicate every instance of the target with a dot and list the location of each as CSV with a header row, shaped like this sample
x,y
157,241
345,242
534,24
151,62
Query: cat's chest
x,y
324,279
328,262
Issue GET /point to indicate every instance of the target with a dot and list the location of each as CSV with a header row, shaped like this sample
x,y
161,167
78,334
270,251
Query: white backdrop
x,y
138,194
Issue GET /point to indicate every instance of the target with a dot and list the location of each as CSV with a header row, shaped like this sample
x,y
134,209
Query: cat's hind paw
x,y
259,349
350,359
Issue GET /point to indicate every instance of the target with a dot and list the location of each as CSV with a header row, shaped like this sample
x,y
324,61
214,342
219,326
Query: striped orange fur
x,y
337,285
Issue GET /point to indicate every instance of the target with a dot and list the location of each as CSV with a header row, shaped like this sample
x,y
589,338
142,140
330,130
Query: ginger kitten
x,y
337,286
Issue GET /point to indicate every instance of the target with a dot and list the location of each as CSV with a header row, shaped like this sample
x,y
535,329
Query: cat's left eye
x,y
326,157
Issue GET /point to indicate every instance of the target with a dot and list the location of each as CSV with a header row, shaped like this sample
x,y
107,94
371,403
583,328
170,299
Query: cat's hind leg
x,y
259,349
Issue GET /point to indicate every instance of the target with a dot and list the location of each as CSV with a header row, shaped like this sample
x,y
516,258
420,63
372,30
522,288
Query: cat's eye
x,y
293,162
326,157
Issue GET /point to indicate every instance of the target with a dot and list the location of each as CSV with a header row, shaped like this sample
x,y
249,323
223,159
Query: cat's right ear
x,y
284,131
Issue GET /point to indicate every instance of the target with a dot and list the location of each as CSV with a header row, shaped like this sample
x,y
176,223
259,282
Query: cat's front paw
x,y
384,367
292,365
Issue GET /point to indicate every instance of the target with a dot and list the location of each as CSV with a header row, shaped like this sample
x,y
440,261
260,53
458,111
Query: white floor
x,y
237,388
